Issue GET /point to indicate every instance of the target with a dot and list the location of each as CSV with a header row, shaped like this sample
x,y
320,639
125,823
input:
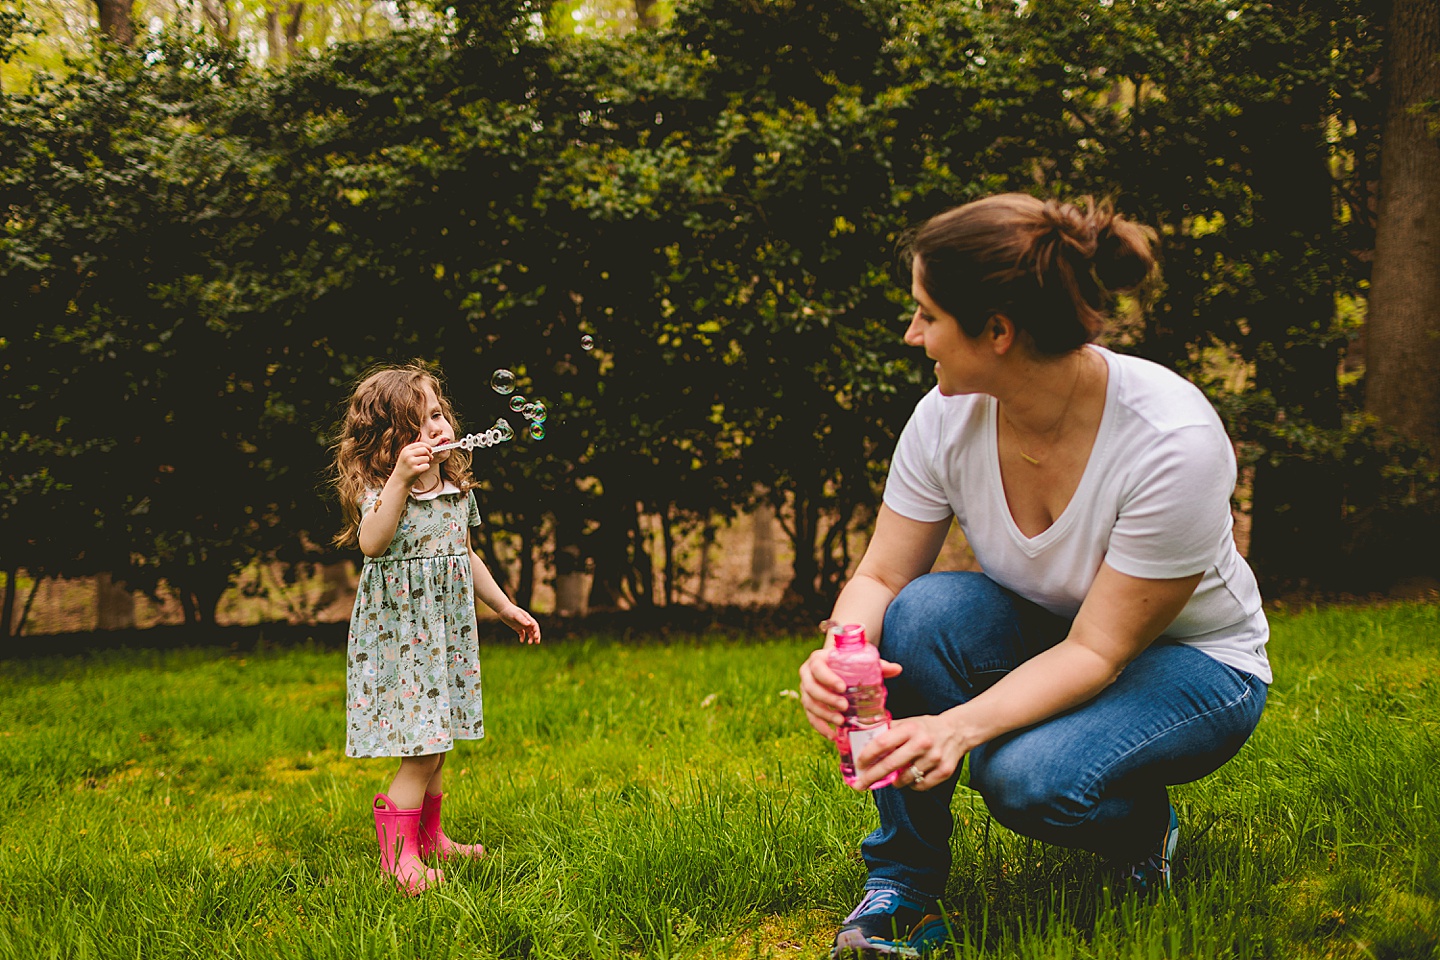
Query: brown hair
x,y
381,418
1047,266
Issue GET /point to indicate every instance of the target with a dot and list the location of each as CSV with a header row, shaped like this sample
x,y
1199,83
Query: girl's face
x,y
959,360
435,427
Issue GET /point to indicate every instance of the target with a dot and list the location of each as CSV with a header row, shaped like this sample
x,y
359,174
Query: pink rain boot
x,y
399,834
433,839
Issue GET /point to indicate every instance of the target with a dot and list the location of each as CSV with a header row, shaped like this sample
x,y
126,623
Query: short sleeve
x,y
472,515
1175,514
367,504
912,488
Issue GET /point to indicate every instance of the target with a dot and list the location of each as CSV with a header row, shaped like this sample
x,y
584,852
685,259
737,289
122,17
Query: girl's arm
x,y
489,592
900,550
377,527
1121,616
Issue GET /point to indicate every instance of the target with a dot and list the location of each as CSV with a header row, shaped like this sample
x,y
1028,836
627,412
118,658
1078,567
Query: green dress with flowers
x,y
413,674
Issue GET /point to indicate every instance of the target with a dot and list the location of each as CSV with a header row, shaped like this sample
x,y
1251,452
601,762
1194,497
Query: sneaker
x,y
885,925
1153,873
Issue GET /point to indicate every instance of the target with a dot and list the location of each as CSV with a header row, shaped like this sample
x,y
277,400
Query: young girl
x,y
414,670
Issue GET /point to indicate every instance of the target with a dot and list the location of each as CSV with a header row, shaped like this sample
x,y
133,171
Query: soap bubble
x,y
502,382
507,432
537,431
517,403
587,342
536,411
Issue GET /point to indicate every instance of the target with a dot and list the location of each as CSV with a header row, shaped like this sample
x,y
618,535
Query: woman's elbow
x,y
1104,667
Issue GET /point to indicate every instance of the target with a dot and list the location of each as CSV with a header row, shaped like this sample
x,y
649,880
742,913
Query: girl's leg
x,y
398,826
436,786
1095,777
414,775
432,834
955,634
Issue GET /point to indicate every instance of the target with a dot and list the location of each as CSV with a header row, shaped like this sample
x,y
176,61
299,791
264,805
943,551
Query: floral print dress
x,y
413,674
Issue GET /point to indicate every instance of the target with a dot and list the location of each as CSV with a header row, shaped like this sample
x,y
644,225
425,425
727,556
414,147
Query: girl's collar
x,y
445,489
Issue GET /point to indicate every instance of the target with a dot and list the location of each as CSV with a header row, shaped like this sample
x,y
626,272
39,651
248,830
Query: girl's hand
x,y
931,746
521,622
415,459
822,692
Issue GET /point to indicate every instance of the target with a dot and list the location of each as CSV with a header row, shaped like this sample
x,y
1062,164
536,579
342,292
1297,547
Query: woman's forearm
x,y
1065,676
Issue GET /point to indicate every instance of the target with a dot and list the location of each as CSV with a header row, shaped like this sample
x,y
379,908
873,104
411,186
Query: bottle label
x,y
858,738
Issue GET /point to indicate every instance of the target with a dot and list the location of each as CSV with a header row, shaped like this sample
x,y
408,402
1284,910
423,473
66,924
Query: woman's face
x,y
435,428
958,358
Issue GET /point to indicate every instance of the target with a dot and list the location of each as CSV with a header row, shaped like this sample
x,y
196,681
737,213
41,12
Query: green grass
x,y
655,801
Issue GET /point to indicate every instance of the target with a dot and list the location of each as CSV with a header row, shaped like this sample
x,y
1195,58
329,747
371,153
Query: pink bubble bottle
x,y
858,663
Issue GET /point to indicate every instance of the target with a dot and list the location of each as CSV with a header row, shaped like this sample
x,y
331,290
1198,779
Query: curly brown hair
x,y
382,416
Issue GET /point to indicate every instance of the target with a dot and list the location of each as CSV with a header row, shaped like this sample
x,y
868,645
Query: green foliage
x,y
200,258
644,800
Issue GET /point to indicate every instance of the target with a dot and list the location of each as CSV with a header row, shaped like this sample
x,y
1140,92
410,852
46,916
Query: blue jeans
x,y
1093,777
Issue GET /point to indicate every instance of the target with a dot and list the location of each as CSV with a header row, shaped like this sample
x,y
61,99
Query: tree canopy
x,y
200,256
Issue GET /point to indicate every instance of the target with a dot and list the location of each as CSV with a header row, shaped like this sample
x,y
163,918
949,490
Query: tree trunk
x,y
1402,334
7,614
221,17
292,31
645,14
25,611
115,21
617,549
569,590
208,592
762,544
803,532
642,568
114,604
188,613
569,557
606,547
525,589
707,543
273,55
667,538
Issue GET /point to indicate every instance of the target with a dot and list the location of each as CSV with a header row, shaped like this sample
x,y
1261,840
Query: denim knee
x,y
951,628
939,607
1020,789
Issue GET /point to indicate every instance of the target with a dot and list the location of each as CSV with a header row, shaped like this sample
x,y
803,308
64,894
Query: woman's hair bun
x,y
1124,251
1048,265
1119,251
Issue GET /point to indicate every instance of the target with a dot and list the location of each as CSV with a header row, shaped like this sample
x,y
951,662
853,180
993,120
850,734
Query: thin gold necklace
x,y
1059,424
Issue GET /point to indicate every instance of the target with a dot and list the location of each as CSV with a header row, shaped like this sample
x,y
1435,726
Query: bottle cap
x,y
849,635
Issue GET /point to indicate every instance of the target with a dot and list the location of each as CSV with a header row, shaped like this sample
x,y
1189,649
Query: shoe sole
x,y
852,945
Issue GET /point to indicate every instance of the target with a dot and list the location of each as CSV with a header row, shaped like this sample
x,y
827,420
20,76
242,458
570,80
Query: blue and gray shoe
x,y
886,925
1153,873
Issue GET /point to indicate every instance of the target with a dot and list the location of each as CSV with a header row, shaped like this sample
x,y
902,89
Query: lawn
x,y
649,800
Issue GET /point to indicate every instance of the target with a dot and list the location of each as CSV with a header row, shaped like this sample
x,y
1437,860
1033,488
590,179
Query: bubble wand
x,y
499,433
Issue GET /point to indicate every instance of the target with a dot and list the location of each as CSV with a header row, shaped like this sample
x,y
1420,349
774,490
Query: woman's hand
x,y
932,747
822,692
414,460
518,619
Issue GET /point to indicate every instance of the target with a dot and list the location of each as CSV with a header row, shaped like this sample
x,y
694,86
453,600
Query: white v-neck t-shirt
x,y
1153,502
